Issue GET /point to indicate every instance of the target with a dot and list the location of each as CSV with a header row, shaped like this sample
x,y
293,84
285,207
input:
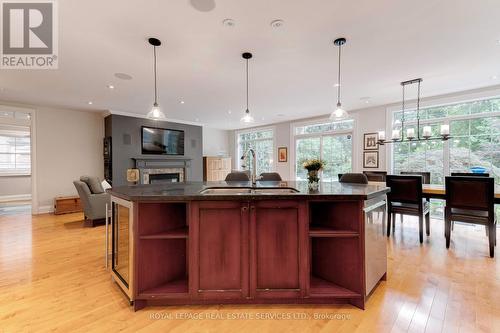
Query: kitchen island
x,y
220,243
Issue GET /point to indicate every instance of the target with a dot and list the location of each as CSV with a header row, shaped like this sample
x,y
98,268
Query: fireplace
x,y
159,178
155,170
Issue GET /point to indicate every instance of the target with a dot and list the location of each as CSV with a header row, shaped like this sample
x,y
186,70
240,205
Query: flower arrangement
x,y
313,164
313,167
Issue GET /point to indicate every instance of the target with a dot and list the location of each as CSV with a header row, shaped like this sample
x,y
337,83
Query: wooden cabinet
x,y
64,205
220,247
278,249
216,168
252,250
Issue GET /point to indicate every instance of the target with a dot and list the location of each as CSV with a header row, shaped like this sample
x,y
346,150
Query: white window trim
x,y
237,133
294,137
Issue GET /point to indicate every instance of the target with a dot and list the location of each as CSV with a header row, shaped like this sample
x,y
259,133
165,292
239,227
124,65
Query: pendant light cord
x,y
338,78
247,110
154,66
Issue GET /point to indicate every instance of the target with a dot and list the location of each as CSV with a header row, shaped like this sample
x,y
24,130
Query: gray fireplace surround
x,y
162,165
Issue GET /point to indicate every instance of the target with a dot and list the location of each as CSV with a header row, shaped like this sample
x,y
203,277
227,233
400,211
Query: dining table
x,y
437,191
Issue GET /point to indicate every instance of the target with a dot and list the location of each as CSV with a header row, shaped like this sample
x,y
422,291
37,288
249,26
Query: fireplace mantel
x,y
147,162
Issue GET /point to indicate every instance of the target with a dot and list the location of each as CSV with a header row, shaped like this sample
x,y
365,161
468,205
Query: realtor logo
x,y
29,34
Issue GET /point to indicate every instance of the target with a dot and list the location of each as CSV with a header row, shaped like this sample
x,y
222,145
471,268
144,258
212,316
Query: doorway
x,y
15,161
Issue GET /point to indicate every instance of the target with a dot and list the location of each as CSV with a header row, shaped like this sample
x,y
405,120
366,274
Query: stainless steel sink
x,y
226,191
277,190
243,190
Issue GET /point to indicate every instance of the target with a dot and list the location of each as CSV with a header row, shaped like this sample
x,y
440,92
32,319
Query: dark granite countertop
x,y
191,191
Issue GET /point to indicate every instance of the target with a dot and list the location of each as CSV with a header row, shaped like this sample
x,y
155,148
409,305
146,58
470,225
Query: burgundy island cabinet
x,y
231,243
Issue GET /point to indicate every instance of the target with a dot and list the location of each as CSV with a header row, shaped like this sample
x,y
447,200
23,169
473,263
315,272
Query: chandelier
x,y
412,133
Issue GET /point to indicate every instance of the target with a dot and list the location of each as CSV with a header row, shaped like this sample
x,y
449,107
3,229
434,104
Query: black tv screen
x,y
161,141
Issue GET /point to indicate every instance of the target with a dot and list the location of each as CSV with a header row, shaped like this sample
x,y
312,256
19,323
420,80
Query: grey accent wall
x,y
126,144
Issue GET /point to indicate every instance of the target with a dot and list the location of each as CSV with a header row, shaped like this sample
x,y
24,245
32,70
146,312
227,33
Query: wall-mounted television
x,y
162,141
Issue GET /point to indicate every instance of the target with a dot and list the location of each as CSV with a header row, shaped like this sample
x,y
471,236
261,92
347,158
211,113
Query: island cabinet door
x,y
219,250
278,249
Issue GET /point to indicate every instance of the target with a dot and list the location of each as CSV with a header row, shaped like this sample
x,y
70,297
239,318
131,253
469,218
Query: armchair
x,y
94,204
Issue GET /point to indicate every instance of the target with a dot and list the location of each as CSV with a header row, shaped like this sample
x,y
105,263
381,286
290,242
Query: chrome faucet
x,y
254,177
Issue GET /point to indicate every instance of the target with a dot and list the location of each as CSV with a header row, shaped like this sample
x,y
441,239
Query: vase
x,y
313,178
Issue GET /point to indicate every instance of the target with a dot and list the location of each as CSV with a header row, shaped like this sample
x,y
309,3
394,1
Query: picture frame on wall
x,y
370,141
370,159
282,154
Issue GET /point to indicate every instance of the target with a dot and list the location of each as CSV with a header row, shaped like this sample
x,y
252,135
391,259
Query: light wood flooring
x,y
52,278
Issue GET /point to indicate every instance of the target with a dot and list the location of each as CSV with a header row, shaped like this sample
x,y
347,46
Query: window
x,y
328,141
475,141
262,141
15,152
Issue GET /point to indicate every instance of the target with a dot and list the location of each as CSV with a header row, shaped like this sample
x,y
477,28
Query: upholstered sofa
x,y
93,199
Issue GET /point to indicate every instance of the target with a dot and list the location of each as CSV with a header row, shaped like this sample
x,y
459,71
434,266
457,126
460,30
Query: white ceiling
x,y
452,44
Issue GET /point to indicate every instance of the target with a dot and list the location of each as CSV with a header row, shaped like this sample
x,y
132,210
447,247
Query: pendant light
x,y
247,118
339,112
155,112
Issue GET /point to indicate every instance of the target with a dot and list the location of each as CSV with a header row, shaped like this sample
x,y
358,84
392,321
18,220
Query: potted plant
x,y
313,167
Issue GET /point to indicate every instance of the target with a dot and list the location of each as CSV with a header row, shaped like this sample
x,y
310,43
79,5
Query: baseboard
x,y
13,198
44,210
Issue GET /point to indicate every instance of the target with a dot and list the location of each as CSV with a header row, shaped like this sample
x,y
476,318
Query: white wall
x,y
68,145
15,187
215,142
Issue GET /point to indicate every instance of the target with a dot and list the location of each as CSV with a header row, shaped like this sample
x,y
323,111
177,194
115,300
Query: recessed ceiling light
x,y
123,76
277,24
197,119
181,102
229,112
110,86
203,5
230,23
494,77
336,85
90,103
365,99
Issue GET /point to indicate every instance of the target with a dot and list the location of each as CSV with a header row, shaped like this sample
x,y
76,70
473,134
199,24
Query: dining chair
x,y
237,176
471,200
353,178
376,176
469,174
426,176
270,176
406,198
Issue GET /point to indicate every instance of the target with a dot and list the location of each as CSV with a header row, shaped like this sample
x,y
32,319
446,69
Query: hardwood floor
x,y
52,278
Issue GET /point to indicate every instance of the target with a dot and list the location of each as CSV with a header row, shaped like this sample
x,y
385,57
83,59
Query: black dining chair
x,y
406,198
469,174
270,176
376,176
237,176
470,200
353,178
426,176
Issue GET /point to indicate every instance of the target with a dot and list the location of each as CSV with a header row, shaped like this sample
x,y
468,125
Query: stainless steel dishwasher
x,y
375,241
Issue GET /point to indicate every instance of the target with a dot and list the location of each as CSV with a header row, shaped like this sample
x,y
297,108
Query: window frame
x,y
238,154
294,137
443,120
17,171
